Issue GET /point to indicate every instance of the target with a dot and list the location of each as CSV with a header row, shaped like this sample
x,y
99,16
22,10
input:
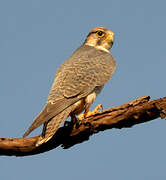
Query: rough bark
x,y
131,113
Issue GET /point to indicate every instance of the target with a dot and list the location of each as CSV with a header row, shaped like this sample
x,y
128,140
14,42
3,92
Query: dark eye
x,y
100,33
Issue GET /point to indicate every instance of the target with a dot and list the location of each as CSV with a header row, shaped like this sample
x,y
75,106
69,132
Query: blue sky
x,y
36,37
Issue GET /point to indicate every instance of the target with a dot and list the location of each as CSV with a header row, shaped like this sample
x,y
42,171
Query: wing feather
x,y
77,77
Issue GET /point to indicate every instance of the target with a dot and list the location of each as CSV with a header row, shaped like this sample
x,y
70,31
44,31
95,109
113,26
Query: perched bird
x,y
77,83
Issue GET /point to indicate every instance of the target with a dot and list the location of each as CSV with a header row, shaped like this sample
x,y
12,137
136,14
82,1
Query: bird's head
x,y
100,38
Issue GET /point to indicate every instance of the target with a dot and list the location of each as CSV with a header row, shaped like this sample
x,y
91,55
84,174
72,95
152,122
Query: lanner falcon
x,y
77,83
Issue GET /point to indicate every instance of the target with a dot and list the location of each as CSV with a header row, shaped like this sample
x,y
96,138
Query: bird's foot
x,y
89,113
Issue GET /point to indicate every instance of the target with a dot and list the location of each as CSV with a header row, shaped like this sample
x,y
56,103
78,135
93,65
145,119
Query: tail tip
x,y
42,140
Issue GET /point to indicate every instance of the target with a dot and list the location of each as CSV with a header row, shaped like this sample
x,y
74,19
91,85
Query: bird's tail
x,y
50,127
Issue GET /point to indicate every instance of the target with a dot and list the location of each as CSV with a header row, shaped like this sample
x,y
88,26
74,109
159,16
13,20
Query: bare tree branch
x,y
131,113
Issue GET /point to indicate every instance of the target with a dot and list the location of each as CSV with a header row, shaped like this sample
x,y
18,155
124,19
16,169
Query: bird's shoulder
x,y
87,68
87,57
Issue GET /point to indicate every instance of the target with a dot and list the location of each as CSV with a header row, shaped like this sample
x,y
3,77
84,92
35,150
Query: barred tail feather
x,y
52,126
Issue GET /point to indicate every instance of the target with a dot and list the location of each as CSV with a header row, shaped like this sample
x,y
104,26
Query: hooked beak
x,y
110,38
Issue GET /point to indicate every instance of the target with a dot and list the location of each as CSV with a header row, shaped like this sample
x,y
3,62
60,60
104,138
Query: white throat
x,y
102,48
99,47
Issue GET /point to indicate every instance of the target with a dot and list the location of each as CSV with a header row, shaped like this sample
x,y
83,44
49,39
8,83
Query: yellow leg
x,y
81,116
88,113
